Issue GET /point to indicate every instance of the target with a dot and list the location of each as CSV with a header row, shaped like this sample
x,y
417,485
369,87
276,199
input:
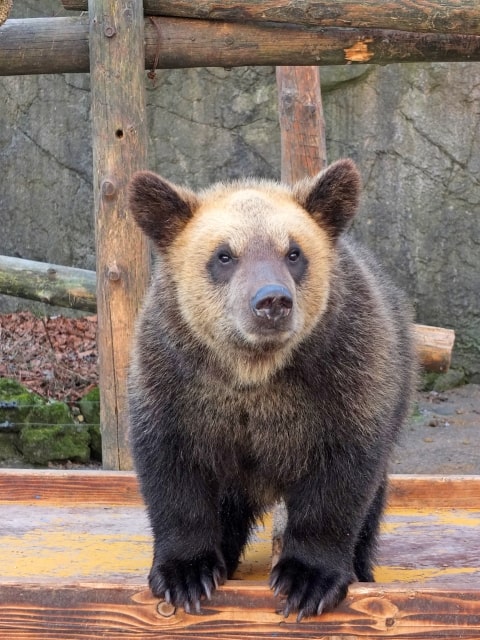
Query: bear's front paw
x,y
310,589
184,583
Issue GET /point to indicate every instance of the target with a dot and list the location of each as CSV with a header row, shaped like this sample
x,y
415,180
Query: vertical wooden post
x,y
303,154
302,126
119,148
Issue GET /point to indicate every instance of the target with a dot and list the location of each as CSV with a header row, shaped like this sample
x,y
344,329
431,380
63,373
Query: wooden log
x,y
119,134
49,283
434,347
60,45
302,126
442,16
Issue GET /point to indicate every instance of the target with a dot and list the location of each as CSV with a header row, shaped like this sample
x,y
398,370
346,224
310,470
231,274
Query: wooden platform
x,y
76,549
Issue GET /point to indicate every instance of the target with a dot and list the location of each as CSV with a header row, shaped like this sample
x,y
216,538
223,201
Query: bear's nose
x,y
272,301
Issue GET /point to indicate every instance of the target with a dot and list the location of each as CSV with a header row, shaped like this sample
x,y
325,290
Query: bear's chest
x,y
266,434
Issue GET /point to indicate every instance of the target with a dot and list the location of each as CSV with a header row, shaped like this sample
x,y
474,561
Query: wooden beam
x,y
302,126
240,609
49,283
119,133
60,45
67,488
442,16
434,347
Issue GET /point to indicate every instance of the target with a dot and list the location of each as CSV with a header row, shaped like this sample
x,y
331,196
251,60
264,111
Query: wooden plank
x,y
119,132
121,488
49,283
443,16
51,487
78,569
60,45
425,491
238,610
302,126
83,544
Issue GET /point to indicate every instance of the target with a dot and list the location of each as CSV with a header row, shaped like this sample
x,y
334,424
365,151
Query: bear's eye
x,y
294,255
224,257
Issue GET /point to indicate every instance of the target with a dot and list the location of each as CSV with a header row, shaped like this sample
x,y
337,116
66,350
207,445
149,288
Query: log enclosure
x,y
77,546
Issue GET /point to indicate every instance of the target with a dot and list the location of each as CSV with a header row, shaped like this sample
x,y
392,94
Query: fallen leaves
x,y
55,357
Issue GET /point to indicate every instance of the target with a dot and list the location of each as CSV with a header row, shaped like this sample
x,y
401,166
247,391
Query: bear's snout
x,y
272,302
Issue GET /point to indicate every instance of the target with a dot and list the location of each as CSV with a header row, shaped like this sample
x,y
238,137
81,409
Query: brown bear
x,y
272,360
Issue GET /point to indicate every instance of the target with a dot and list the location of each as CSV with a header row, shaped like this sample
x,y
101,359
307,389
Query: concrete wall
x,y
413,129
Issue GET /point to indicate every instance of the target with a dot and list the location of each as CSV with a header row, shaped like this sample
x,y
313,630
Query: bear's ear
x,y
160,208
332,196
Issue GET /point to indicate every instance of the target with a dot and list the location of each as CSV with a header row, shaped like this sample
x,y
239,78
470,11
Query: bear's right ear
x,y
160,208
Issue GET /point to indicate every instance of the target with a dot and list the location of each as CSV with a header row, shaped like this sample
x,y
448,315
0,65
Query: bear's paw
x,y
184,583
310,589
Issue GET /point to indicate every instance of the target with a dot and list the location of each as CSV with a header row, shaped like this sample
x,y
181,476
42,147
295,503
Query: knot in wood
x,y
108,188
113,272
109,31
165,609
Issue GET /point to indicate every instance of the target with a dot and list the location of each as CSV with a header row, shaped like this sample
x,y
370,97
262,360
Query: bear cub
x,y
272,360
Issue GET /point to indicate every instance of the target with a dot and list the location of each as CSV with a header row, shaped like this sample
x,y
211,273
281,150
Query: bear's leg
x,y
366,546
325,515
183,508
237,517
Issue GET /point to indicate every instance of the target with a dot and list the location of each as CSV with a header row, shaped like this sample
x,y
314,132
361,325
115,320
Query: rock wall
x,y
413,129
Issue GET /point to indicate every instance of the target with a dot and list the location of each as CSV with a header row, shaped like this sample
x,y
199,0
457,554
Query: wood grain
x,y
60,45
238,610
443,16
302,125
119,134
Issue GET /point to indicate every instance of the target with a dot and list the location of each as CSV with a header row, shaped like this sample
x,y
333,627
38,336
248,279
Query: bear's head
x,y
250,262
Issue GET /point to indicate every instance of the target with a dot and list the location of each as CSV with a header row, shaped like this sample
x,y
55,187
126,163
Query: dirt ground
x,y
57,358
443,436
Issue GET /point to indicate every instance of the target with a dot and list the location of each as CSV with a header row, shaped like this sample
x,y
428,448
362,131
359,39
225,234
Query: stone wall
x,y
413,129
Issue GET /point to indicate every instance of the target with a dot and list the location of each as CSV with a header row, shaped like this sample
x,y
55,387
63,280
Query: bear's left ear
x,y
160,208
332,196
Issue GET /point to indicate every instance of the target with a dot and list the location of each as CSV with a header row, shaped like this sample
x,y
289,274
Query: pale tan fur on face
x,y
240,217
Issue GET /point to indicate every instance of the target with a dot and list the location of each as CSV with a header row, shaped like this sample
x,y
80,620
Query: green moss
x,y
12,391
10,388
8,449
449,380
49,414
427,381
41,445
90,406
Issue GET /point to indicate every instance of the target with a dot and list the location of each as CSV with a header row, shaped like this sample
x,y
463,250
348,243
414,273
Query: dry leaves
x,y
55,357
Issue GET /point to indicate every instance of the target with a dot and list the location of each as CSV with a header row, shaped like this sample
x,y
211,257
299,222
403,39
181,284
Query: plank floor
x,y
70,538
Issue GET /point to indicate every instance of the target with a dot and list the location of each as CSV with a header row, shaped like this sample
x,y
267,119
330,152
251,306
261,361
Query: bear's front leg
x,y
187,564
316,565
183,509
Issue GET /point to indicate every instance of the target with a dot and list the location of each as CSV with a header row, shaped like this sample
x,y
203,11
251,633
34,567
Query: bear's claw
x,y
184,583
310,589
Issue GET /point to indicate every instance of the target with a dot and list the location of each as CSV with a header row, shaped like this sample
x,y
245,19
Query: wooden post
x,y
119,148
302,127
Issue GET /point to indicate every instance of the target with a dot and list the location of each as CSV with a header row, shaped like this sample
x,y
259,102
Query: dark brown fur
x,y
231,410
